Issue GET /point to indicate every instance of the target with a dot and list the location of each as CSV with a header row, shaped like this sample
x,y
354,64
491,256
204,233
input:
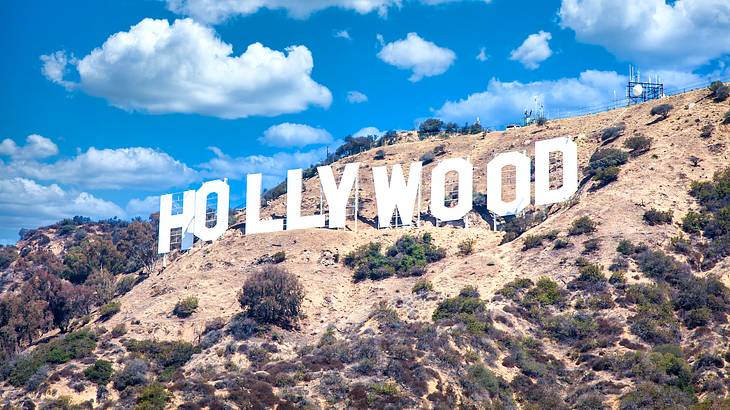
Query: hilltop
x,y
615,299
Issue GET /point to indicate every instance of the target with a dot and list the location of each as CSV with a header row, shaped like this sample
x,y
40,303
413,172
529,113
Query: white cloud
x,y
504,102
679,34
138,167
368,131
143,207
482,56
36,146
423,58
356,97
533,51
273,167
216,11
55,67
26,204
343,34
185,68
294,135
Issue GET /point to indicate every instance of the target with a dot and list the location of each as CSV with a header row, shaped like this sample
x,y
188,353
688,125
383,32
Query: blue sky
x,y
106,105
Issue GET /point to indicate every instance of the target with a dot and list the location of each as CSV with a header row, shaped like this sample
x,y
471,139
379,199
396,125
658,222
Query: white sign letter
x,y
465,170
569,150
294,218
337,197
396,194
254,224
183,220
521,162
222,190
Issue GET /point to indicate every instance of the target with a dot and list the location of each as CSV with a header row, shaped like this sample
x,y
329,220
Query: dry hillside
x,y
557,317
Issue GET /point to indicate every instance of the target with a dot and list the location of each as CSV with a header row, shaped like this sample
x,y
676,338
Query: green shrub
x,y
186,307
466,308
570,328
100,372
422,286
546,292
721,93
272,295
531,241
582,225
591,246
707,131
590,276
466,247
662,110
510,289
75,345
561,243
152,397
612,133
625,247
119,330
165,355
654,217
8,254
109,310
726,117
409,256
637,144
652,396
605,176
695,222
606,158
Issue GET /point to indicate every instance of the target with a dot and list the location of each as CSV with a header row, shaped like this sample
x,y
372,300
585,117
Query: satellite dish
x,y
637,90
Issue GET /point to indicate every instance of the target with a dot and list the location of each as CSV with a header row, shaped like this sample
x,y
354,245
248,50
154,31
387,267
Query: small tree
x,y
272,295
662,110
186,307
430,126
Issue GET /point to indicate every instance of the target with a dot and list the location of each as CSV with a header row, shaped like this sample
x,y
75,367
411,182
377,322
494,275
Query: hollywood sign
x,y
392,194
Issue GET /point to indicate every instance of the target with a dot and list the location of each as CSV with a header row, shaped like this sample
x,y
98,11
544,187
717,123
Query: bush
x,y
409,256
581,226
541,120
721,93
242,327
591,246
100,372
625,247
606,175
466,308
662,110
510,289
531,241
272,295
8,254
654,217
637,144
606,158
109,310
379,155
466,247
152,397
707,131
612,133
726,117
545,293
119,330
427,158
133,374
186,307
561,244
652,396
590,276
422,286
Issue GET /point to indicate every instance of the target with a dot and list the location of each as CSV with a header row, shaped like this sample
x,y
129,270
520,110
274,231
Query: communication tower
x,y
638,91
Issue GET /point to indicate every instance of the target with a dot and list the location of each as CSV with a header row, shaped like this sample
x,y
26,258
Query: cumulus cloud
x,y
273,167
368,131
504,102
143,207
26,204
138,167
356,97
294,135
482,56
215,11
423,58
343,34
185,68
35,147
533,51
678,34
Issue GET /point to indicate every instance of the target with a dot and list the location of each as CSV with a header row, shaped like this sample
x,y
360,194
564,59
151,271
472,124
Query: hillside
x,y
600,302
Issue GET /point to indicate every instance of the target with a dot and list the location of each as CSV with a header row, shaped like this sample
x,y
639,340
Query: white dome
x,y
637,90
